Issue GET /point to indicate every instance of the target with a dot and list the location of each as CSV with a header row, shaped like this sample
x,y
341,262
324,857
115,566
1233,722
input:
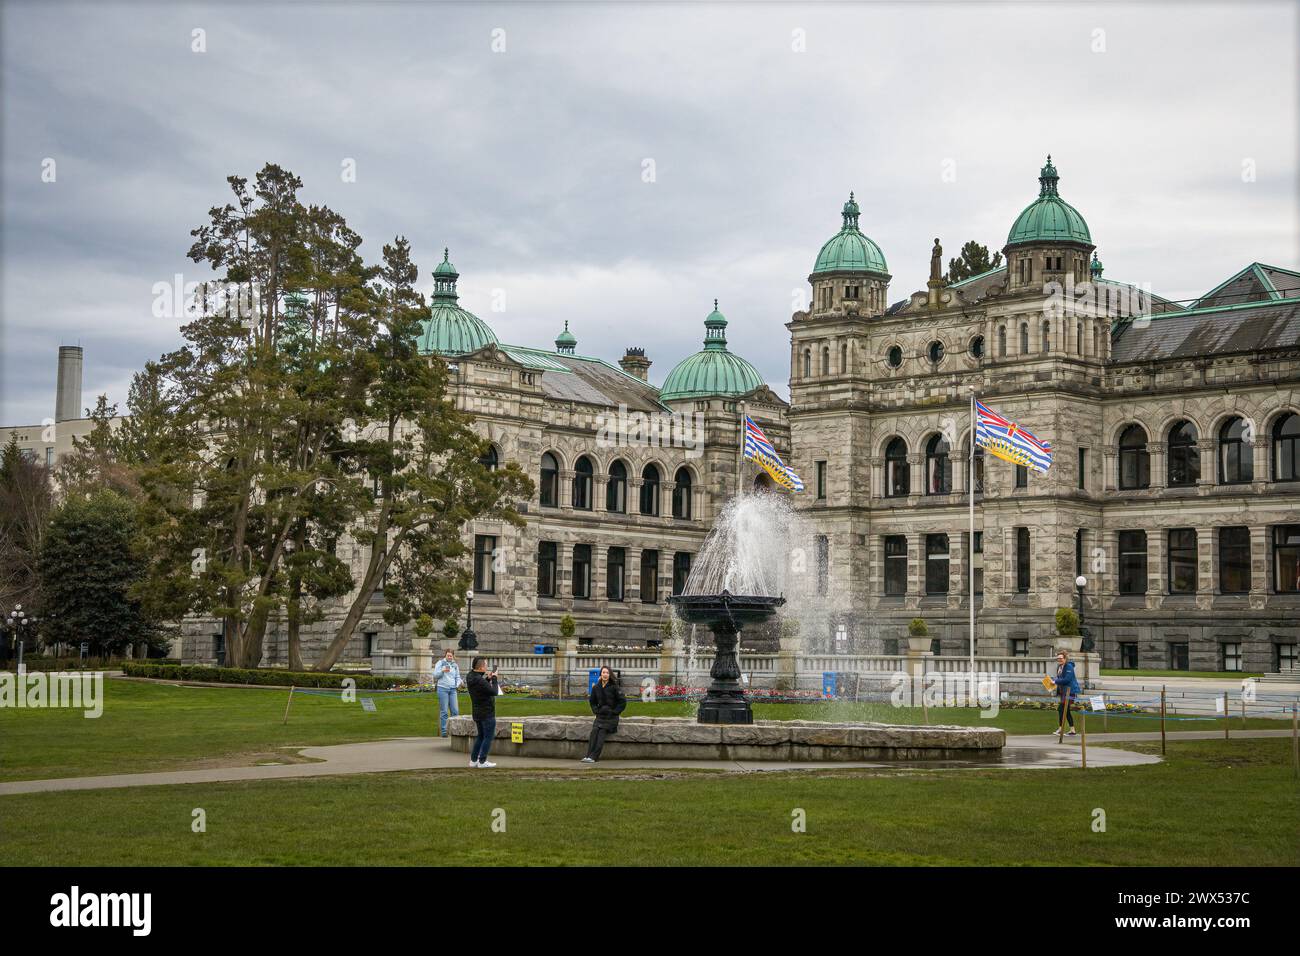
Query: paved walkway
x,y
432,753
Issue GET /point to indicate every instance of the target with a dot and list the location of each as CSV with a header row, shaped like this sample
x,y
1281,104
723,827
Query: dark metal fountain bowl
x,y
740,609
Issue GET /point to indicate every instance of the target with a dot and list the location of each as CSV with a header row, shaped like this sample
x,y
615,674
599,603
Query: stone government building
x,y
1174,489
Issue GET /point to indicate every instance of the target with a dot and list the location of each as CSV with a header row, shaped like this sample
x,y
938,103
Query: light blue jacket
x,y
446,676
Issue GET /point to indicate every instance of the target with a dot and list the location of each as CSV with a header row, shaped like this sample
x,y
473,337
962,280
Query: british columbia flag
x,y
1009,441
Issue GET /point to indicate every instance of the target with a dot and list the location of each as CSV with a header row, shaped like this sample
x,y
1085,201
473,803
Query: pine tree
x,y
973,260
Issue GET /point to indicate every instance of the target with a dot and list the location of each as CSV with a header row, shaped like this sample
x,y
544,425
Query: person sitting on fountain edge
x,y
482,687
607,702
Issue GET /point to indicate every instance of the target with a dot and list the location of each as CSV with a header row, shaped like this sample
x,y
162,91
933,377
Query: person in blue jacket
x,y
1067,688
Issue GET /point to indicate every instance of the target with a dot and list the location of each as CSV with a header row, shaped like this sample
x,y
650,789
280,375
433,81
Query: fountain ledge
x,y
677,738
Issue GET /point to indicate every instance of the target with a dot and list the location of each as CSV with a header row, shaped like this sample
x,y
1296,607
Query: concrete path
x,y
432,753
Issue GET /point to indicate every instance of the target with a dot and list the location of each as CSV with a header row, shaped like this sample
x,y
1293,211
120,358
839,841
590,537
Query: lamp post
x,y
468,640
18,623
1086,644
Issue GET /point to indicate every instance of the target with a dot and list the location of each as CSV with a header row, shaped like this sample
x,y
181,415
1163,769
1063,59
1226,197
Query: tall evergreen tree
x,y
25,503
973,260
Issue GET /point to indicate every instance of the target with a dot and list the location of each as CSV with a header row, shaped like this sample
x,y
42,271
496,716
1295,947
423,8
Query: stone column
x,y
1259,561
1155,566
634,495
1159,463
566,490
916,477
1209,458
632,584
877,489
915,567
958,561
666,498
1207,566
1261,463
1110,468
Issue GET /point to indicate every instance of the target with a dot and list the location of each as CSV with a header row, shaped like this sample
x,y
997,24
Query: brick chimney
x,y
635,363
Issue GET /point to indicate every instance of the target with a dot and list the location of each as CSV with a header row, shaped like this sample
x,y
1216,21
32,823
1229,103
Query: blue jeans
x,y
448,705
487,731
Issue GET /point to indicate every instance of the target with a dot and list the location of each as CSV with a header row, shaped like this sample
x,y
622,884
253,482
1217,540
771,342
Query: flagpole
x,y
740,453
970,565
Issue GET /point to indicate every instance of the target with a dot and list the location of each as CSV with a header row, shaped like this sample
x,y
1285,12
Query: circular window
x,y
894,356
977,346
936,352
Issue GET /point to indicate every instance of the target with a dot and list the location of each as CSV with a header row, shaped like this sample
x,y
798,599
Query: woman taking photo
x,y
607,702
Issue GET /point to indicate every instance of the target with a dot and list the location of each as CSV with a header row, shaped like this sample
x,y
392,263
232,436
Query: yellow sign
x,y
516,733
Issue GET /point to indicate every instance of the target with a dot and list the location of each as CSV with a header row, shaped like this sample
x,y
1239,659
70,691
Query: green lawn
x,y
148,726
1212,802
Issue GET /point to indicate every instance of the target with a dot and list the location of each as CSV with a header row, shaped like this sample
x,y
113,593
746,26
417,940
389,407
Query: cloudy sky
x,y
520,135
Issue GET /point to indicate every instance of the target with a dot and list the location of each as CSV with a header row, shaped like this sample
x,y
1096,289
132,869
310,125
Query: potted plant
x,y
1067,630
918,635
568,627
450,631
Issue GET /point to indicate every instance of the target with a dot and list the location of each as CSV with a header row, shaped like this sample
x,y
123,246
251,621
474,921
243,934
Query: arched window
x,y
1236,464
1286,448
1184,456
826,361
1024,338
582,483
682,494
807,363
1134,459
550,484
616,489
489,458
1002,341
1046,344
650,490
938,467
897,479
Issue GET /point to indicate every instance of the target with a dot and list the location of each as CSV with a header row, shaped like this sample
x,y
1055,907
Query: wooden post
x,y
925,709
286,706
1226,720
1083,737
1243,711
1295,738
1162,719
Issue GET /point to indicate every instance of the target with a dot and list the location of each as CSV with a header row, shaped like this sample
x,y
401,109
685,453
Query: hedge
x,y
272,678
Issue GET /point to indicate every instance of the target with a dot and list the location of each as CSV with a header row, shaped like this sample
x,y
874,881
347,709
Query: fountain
x,y
753,561
725,614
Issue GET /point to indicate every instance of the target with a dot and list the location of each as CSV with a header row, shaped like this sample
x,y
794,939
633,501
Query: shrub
x,y
568,626
270,678
918,628
1067,622
450,629
423,626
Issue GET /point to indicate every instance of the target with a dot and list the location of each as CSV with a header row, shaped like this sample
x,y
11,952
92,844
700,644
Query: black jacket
x,y
482,695
607,702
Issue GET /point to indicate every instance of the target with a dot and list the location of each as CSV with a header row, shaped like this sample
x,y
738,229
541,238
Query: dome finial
x,y
1047,179
446,254
850,213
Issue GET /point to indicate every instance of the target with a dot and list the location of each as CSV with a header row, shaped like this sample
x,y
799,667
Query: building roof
x,y
1049,218
1219,330
713,370
849,250
1255,283
592,381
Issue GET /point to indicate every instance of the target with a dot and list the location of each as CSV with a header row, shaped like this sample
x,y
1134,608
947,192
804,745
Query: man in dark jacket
x,y
607,702
482,686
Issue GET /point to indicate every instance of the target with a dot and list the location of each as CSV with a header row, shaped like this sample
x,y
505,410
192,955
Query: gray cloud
x,y
528,163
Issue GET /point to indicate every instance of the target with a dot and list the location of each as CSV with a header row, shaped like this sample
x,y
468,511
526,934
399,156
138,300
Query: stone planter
x,y
919,644
1072,644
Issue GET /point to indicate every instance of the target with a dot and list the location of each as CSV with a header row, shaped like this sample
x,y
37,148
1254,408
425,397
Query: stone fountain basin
x,y
677,738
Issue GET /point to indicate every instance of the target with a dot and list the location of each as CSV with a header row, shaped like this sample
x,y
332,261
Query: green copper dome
x,y
849,250
452,330
566,341
1049,218
712,371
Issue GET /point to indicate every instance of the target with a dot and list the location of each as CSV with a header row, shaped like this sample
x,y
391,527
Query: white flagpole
x,y
970,566
740,452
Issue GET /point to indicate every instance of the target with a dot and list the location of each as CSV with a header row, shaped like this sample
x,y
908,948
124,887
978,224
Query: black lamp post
x,y
18,623
468,640
1086,644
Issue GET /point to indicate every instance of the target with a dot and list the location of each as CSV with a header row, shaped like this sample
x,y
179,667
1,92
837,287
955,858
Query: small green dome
x,y
712,371
450,329
1096,268
566,341
849,250
1049,218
